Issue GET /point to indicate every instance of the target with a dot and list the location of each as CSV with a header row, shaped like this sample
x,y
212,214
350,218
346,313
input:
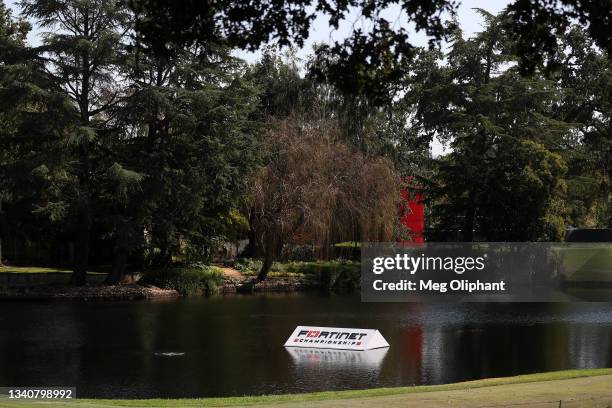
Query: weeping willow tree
x,y
318,186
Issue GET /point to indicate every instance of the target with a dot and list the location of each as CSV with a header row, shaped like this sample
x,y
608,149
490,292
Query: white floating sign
x,y
334,359
336,338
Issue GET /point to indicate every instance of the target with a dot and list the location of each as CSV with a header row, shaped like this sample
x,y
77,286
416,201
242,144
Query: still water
x,y
234,345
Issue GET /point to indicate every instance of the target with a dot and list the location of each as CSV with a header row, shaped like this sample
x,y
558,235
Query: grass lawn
x,y
297,268
348,244
582,387
38,269
588,263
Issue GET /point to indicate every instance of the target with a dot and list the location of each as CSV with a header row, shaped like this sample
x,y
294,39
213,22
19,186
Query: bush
x,y
247,266
188,280
298,253
337,275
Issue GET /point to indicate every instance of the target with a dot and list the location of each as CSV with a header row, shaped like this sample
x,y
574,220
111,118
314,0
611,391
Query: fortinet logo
x,y
339,338
329,337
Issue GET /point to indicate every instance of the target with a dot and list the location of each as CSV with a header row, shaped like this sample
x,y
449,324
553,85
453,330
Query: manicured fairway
x,y
573,388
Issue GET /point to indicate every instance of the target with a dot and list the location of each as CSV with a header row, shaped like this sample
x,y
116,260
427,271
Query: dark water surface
x,y
233,345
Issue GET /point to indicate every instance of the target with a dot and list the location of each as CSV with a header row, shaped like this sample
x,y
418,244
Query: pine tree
x,y
504,175
585,77
81,53
32,113
12,43
187,132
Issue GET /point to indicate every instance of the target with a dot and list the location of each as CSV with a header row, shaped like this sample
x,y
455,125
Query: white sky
x,y
320,32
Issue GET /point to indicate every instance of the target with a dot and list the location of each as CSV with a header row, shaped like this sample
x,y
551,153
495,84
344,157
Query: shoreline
x,y
133,291
247,285
587,387
87,293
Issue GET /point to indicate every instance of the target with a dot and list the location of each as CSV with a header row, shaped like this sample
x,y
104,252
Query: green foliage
x,y
153,150
505,174
12,31
377,53
247,265
348,244
190,133
107,136
586,102
336,275
195,279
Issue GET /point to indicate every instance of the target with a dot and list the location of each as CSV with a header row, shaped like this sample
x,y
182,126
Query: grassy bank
x,y
41,269
340,275
581,385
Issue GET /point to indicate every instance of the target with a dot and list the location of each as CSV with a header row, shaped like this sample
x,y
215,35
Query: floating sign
x,y
336,338
334,359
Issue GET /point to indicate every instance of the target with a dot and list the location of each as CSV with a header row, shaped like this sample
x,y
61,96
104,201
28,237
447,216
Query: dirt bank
x,y
236,282
251,285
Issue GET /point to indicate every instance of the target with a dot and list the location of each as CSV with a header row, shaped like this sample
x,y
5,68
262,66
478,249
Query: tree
x,y
82,54
33,112
188,143
150,150
12,42
371,60
504,175
315,185
374,130
537,28
585,78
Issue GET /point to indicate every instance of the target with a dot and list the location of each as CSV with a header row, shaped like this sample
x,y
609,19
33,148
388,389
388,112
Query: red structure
x,y
412,214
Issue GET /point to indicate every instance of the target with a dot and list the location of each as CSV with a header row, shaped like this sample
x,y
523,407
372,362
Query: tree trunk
x,y
84,217
82,247
165,256
119,266
265,266
121,253
1,230
273,248
470,215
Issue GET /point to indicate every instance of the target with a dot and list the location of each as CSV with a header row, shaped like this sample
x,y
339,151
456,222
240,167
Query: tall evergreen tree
x,y
82,52
188,133
12,42
585,78
504,175
33,113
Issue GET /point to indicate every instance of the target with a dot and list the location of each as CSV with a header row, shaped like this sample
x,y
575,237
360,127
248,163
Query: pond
x,y
233,345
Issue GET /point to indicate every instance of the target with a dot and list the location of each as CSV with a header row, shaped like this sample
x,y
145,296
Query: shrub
x,y
337,275
247,266
299,253
195,279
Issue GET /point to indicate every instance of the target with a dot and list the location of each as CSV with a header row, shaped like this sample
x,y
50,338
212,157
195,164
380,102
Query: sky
x,y
321,32
469,21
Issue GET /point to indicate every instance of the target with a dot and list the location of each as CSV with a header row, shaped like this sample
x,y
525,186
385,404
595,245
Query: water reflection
x,y
233,345
587,344
328,359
